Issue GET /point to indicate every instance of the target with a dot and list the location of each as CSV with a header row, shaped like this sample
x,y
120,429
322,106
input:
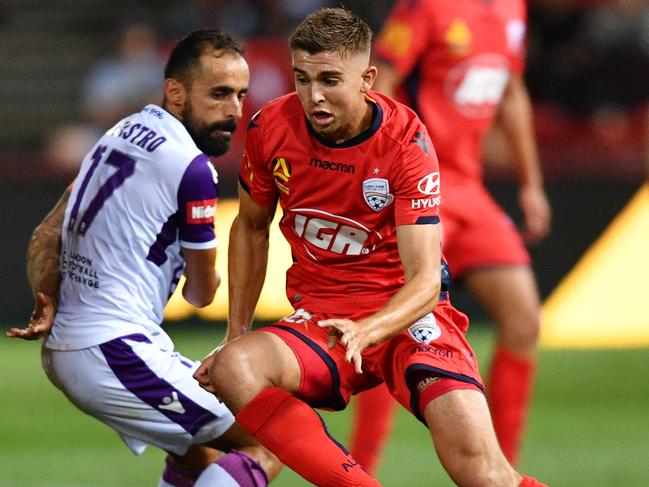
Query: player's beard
x,y
209,144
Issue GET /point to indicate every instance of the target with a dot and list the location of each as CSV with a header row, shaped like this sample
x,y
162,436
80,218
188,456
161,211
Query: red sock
x,y
372,421
509,391
530,482
294,432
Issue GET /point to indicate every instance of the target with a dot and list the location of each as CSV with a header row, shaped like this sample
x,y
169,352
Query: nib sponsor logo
x,y
201,211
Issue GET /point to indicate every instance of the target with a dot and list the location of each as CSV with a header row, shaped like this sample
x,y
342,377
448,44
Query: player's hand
x,y
351,335
202,374
536,211
41,321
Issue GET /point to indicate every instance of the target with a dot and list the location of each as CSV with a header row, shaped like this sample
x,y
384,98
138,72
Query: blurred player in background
x,y
140,213
459,65
357,178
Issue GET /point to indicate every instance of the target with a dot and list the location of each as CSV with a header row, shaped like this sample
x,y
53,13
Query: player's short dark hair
x,y
185,56
332,29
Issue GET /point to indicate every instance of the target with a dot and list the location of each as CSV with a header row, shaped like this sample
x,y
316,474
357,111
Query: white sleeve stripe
x,y
199,245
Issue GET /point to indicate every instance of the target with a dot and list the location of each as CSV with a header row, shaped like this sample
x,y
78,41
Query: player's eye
x,y
301,80
331,81
241,96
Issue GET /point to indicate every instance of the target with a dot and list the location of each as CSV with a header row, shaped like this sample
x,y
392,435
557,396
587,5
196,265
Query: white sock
x,y
215,475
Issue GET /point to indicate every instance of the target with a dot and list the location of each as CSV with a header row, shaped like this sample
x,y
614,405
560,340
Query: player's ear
x,y
175,93
369,75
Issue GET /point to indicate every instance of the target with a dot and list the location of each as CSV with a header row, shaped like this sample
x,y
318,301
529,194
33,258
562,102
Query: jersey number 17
x,y
125,168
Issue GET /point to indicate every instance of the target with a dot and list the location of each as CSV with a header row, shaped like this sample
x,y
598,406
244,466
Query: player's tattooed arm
x,y
44,251
43,274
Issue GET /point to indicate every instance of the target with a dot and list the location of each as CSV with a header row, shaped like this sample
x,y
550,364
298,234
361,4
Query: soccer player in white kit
x,y
139,214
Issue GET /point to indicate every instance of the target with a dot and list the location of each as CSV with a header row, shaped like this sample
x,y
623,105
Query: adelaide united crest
x,y
376,192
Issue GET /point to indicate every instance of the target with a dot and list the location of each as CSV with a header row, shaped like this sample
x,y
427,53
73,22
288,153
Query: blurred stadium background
x,y
72,68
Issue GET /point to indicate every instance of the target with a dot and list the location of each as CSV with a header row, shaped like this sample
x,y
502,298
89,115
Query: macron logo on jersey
x,y
202,211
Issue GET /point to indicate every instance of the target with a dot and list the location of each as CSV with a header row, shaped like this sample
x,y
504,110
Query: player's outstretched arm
x,y
247,259
515,118
419,250
247,262
201,277
43,274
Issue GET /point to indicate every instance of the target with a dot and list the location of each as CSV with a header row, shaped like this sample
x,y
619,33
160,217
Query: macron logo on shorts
x,y
202,211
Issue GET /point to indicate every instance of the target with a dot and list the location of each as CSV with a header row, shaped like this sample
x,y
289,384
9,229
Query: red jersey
x,y
342,202
456,57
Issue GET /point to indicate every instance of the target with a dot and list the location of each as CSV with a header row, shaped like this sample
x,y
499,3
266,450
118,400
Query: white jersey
x,y
142,192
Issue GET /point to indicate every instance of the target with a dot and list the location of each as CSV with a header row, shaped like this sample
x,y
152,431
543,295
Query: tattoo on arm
x,y
44,251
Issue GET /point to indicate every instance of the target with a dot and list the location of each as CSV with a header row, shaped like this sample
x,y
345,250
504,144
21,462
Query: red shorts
x,y
434,345
476,232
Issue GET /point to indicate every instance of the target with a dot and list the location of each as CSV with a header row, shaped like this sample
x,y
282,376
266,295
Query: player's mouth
x,y
322,118
221,133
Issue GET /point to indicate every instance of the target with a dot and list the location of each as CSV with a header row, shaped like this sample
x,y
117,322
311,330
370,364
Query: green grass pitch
x,y
589,425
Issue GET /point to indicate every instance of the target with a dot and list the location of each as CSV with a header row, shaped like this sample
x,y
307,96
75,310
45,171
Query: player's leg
x,y
246,463
465,441
432,371
486,251
510,296
149,397
372,421
256,376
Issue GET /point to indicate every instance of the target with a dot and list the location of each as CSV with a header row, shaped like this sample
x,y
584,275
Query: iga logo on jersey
x,y
376,192
333,233
476,86
425,329
201,211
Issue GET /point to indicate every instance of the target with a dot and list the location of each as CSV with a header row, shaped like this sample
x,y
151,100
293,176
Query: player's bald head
x,y
185,58
333,29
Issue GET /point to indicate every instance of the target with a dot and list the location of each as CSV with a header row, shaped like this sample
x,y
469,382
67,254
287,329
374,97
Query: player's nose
x,y
235,108
316,94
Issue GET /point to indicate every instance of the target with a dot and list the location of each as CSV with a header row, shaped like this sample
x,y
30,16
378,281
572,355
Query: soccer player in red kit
x,y
458,64
357,179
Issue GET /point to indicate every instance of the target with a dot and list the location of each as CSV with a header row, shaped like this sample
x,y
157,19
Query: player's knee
x,y
228,365
233,368
472,466
521,332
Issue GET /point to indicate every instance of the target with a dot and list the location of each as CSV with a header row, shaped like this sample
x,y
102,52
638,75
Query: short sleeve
x,y
516,32
405,35
255,175
197,196
417,182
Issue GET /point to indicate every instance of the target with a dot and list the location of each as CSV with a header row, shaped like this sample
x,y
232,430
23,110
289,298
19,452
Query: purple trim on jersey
x,y
243,469
139,379
176,278
189,365
197,184
168,235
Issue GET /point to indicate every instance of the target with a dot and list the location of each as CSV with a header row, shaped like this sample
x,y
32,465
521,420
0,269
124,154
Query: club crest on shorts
x,y
425,329
376,192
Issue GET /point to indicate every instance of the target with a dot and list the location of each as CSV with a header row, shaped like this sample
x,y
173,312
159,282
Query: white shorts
x,y
146,394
